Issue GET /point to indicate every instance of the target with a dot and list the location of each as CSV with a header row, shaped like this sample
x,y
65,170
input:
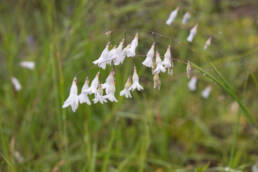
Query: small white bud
x,y
206,92
16,84
192,84
207,43
28,64
186,17
188,69
172,16
192,33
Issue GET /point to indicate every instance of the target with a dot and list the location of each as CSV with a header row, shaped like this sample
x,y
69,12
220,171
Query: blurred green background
x,y
168,130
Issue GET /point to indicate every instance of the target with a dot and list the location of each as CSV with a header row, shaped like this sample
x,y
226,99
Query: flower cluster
x,y
116,55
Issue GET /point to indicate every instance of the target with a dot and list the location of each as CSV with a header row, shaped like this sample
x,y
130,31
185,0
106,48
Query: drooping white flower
x,y
28,64
73,99
192,33
159,64
109,86
206,92
16,84
167,62
150,54
136,85
126,91
188,69
186,17
94,85
99,95
131,48
156,81
192,83
83,97
172,16
207,43
103,59
119,56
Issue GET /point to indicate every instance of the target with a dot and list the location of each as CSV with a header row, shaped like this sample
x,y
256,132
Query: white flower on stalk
x,y
168,62
93,86
99,95
188,69
131,48
73,99
16,84
120,55
192,33
207,43
172,16
83,97
206,92
110,87
159,64
150,54
126,91
186,17
136,85
192,83
103,59
28,64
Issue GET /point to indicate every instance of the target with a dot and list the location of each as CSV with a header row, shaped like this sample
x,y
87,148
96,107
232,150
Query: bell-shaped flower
x,y
99,95
130,50
159,64
167,62
192,33
110,92
156,81
83,97
172,16
102,60
16,84
207,43
120,55
150,54
192,84
186,17
72,99
94,85
206,92
188,69
126,91
28,64
136,85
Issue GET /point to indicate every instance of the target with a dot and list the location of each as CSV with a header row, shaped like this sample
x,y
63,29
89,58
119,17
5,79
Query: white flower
x,y
206,92
110,87
73,99
159,64
102,60
28,64
94,85
186,18
126,91
83,97
192,83
130,48
99,96
188,69
192,33
16,84
150,54
136,85
207,43
172,16
119,56
167,62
